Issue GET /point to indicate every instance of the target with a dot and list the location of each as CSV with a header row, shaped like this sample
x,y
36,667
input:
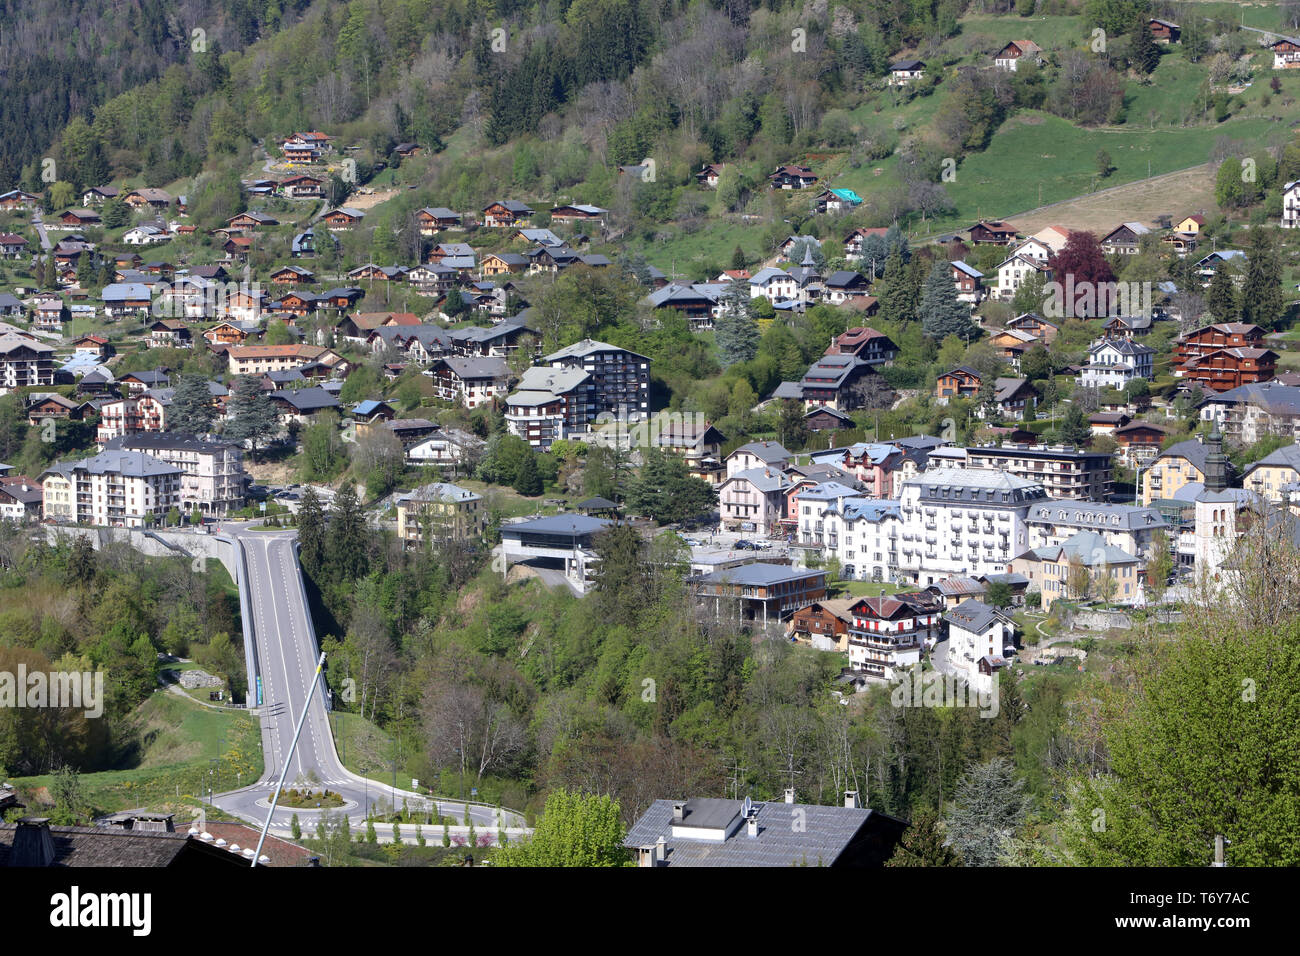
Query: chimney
x,y
751,824
679,811
645,855
33,845
789,794
661,851
851,798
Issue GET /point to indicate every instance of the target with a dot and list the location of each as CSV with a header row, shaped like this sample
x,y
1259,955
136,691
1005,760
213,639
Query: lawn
x,y
178,742
866,588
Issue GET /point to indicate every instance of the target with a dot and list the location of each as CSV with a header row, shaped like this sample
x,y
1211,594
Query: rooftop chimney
x,y
33,845
851,798
789,794
751,824
679,811
661,850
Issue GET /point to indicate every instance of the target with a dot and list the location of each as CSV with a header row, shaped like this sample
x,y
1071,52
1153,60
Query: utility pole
x,y
302,719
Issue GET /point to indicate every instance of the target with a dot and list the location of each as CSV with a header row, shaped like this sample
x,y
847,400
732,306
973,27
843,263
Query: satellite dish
x,y
747,807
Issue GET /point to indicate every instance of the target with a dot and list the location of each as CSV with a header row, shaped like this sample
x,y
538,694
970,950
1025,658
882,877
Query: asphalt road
x,y
288,652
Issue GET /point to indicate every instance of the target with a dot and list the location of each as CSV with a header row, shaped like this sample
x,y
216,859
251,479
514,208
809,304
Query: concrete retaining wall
x,y
186,544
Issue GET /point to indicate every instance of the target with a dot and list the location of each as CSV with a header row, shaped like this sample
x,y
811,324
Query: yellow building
x,y
1056,572
442,510
1178,465
1269,475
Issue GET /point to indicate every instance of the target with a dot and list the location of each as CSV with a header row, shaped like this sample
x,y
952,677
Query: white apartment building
x,y
213,478
862,534
962,521
114,489
758,454
24,362
977,638
470,382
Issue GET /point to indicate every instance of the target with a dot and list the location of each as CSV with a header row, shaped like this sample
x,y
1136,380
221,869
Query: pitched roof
x,y
769,452
974,616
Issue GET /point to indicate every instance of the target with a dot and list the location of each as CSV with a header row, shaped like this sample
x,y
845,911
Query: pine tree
x,y
191,409
527,479
311,533
737,331
252,415
1074,427
922,844
1261,293
941,314
1146,53
738,257
295,827
1221,299
347,545
988,806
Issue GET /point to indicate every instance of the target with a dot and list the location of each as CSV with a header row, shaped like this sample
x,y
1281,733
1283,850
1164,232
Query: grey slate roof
x,y
824,835
559,524
759,574
974,616
1287,456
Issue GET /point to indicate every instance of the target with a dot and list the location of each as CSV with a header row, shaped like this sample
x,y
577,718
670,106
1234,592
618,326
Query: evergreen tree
x,y
1146,53
311,532
941,314
1261,293
987,809
348,535
252,416
737,331
922,843
666,491
738,257
295,828
527,479
897,301
1221,299
115,213
191,409
1074,427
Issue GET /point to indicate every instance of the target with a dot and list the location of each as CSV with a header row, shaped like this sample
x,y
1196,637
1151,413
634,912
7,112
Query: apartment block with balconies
x,y
1063,472
121,489
213,479
962,521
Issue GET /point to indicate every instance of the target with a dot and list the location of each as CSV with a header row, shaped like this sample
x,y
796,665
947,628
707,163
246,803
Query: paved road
x,y
287,652
40,229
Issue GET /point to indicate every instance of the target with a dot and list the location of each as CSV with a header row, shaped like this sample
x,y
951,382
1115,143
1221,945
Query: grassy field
x,y
1178,194
177,743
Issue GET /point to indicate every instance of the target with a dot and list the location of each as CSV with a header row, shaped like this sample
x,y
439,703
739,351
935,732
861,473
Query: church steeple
x,y
1216,462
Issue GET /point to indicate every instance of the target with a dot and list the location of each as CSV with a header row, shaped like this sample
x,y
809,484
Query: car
x,y
743,545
